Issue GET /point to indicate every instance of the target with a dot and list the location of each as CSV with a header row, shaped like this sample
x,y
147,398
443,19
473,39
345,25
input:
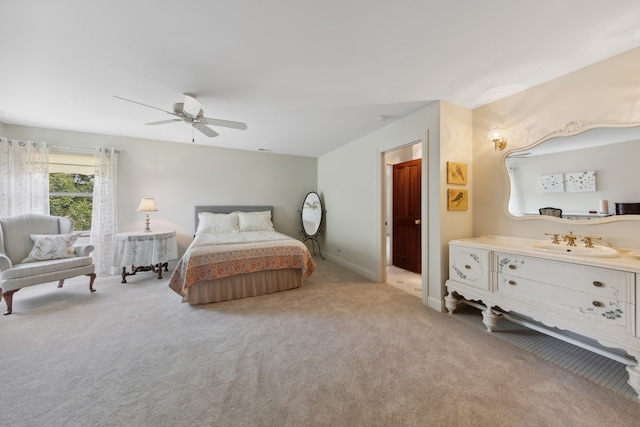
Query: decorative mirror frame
x,y
313,237
570,129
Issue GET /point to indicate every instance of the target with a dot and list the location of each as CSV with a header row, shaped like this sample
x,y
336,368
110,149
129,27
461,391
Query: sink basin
x,y
596,251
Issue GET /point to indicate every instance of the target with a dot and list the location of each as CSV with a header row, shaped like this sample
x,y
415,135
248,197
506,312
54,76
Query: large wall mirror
x,y
585,169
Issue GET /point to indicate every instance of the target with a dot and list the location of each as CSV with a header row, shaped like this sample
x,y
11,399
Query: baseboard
x,y
353,267
436,304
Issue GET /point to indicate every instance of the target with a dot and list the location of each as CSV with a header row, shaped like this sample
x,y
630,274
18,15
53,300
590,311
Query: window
x,y
71,187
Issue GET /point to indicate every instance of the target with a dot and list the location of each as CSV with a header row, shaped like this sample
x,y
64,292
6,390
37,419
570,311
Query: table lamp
x,y
148,205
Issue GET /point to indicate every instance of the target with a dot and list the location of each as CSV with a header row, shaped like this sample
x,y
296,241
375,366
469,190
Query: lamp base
x,y
147,224
500,143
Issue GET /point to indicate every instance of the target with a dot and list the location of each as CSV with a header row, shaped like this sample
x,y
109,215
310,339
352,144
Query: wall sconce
x,y
148,205
498,137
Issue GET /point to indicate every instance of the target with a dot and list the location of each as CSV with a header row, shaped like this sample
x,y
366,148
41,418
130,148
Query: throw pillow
x,y
217,223
53,246
255,221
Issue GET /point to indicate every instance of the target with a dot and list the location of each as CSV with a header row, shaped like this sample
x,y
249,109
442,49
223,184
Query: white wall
x,y
455,146
608,91
351,180
179,176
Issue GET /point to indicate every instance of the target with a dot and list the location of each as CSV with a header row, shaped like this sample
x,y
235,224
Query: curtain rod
x,y
61,149
77,149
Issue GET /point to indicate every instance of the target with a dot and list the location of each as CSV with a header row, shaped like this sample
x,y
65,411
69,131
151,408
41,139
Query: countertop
x,y
522,246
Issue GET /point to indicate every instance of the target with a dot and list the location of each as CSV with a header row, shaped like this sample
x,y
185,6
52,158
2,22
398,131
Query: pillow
x,y
255,221
217,223
51,246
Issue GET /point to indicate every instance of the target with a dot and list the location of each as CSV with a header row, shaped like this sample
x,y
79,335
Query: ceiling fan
x,y
190,111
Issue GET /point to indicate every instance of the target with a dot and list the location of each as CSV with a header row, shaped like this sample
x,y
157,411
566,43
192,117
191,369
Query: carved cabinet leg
x,y
634,378
450,302
489,318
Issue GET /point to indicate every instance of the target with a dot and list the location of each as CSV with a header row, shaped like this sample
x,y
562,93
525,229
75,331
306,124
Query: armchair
x,y
37,249
557,212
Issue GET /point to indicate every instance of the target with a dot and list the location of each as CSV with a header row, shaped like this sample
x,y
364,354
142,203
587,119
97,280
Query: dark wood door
x,y
407,202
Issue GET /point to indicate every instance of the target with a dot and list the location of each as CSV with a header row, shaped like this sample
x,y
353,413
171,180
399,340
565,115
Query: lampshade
x,y
498,137
147,204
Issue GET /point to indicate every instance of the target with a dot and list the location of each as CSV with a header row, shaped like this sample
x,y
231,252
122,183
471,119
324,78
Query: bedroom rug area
x,y
340,351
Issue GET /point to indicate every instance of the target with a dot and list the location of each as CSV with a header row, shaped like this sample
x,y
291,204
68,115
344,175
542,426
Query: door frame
x,y
422,139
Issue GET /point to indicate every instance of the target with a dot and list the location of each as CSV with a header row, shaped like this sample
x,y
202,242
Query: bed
x,y
236,253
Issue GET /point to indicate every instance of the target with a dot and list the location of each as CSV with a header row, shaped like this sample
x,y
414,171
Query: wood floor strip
x,y
601,370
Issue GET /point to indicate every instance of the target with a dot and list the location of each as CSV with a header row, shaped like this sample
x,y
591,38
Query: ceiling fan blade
x,y
140,103
224,123
162,122
191,106
204,129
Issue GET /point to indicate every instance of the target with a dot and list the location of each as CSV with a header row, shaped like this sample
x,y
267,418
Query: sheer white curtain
x,y
515,200
24,177
104,218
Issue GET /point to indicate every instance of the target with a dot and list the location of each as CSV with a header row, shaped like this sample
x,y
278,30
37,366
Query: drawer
x,y
609,310
469,266
597,281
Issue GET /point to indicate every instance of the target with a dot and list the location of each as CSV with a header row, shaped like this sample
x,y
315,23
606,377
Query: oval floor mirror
x,y
311,220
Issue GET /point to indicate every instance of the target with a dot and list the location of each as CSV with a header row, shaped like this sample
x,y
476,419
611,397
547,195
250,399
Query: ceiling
x,y
306,76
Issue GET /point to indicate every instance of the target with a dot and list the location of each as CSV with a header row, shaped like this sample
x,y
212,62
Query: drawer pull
x,y
597,304
597,284
467,266
512,282
512,267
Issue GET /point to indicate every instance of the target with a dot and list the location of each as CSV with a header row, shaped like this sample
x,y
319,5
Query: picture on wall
x,y
456,173
553,183
457,199
580,182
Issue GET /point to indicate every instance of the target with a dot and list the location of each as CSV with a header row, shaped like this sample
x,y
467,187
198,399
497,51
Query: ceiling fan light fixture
x,y
192,106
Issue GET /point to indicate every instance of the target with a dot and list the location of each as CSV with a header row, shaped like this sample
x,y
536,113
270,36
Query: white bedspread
x,y
206,239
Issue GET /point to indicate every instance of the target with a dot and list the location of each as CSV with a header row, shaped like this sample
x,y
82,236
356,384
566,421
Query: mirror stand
x,y
311,220
314,241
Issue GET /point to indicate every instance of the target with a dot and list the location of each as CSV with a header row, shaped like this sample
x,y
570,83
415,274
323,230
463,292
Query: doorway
x,y
403,218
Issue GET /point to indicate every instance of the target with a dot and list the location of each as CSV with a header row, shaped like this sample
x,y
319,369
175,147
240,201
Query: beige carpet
x,y
340,351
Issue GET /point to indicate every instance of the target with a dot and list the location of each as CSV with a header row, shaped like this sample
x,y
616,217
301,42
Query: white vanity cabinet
x,y
601,297
593,297
470,266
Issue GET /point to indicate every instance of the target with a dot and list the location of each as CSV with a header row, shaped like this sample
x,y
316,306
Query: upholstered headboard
x,y
229,209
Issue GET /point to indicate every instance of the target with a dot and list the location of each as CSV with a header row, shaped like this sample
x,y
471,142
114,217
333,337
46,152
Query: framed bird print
x,y
457,199
456,173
